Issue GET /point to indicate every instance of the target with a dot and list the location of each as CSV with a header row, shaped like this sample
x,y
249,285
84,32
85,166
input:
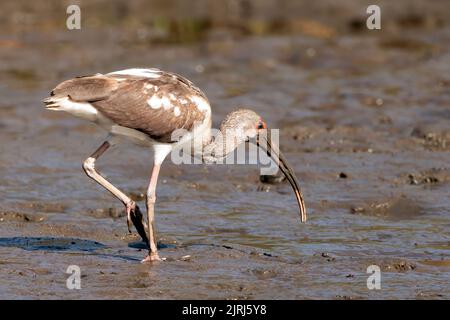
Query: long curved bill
x,y
272,150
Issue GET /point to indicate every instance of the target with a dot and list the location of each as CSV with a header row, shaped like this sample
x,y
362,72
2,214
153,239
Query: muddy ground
x,y
364,119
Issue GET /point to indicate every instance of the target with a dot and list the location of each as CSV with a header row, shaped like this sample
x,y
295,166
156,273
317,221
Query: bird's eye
x,y
261,125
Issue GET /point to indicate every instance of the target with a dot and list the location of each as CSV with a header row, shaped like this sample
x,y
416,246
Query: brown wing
x,y
125,99
130,106
86,88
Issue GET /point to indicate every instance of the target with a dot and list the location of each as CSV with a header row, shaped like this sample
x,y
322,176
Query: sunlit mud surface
x,y
364,121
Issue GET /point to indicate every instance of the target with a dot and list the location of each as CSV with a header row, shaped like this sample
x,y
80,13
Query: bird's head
x,y
247,124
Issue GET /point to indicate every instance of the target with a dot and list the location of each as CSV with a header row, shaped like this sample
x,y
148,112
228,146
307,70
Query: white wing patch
x,y
152,73
154,102
166,103
201,104
176,111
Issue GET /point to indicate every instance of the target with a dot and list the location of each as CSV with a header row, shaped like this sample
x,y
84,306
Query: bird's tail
x,y
52,102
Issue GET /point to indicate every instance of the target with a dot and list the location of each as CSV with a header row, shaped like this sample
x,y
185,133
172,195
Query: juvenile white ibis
x,y
147,106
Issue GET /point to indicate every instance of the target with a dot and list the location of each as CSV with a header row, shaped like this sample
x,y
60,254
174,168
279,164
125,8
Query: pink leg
x,y
151,199
133,213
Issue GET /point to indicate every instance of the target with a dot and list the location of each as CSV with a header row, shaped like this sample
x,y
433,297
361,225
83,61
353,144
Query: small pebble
x,y
343,175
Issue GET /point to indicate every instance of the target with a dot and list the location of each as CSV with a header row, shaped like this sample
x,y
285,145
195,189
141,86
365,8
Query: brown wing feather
x,y
125,100
128,106
87,88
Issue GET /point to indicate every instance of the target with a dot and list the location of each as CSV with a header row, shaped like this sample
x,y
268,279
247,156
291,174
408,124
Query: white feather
x,y
161,151
154,102
201,104
139,72
79,109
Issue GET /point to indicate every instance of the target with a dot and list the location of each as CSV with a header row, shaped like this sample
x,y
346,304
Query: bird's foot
x,y
152,257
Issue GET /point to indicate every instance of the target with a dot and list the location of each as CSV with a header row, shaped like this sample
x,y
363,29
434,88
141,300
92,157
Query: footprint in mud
x,y
20,217
102,213
43,207
263,274
395,209
51,244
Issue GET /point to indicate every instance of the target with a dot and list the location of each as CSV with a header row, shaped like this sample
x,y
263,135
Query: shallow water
x,y
364,121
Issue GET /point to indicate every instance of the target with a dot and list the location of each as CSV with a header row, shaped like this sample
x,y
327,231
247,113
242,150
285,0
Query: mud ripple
x,y
51,244
20,217
396,209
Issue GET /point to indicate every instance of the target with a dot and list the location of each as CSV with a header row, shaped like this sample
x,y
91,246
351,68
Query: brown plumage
x,y
124,99
149,106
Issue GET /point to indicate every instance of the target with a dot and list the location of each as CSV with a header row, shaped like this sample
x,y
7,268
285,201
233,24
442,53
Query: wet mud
x,y
364,119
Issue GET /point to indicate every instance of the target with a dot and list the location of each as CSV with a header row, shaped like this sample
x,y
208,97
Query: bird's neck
x,y
221,144
215,151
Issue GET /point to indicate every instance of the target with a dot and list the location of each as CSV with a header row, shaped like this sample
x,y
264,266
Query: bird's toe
x,y
152,258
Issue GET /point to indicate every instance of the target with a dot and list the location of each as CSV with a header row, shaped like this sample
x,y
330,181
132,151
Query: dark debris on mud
x,y
8,216
433,176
